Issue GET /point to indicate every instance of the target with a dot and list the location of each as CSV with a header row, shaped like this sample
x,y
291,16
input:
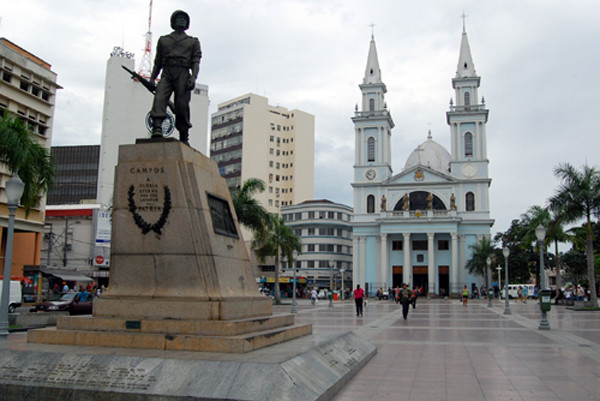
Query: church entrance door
x,y
420,277
396,276
444,280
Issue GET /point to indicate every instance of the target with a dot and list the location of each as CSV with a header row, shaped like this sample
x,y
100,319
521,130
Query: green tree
x,y
555,233
249,211
480,251
278,240
26,157
522,259
576,198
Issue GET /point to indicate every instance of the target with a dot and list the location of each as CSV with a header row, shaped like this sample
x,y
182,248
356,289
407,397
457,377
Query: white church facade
x,y
417,226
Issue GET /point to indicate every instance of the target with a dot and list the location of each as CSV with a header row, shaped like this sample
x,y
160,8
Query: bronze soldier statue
x,y
178,57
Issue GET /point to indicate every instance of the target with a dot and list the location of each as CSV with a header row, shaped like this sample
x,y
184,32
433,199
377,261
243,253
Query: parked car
x,y
14,295
68,302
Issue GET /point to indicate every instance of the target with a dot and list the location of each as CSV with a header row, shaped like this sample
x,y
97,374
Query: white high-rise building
x,y
127,105
252,139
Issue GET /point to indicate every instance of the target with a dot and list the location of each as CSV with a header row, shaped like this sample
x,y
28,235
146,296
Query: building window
x,y
468,144
443,245
311,215
419,245
297,216
310,248
311,231
420,258
470,201
371,149
371,104
397,245
310,263
271,138
331,215
370,204
467,99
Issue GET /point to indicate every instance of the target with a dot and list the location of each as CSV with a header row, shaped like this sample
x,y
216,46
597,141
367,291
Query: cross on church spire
x,y
372,25
464,17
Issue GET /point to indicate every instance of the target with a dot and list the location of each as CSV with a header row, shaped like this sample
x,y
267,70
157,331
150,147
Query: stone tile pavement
x,y
444,351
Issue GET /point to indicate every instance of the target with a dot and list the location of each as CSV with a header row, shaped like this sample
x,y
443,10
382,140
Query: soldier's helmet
x,y
178,13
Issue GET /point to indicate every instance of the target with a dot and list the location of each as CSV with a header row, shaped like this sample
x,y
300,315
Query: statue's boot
x,y
184,137
157,129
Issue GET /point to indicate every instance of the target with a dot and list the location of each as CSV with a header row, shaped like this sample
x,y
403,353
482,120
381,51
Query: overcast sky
x,y
539,63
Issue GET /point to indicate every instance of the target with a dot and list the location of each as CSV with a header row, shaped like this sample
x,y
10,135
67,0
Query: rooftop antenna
x,y
372,30
146,63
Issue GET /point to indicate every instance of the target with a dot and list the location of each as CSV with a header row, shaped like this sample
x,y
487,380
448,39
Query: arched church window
x,y
371,149
467,99
370,204
371,104
468,144
470,201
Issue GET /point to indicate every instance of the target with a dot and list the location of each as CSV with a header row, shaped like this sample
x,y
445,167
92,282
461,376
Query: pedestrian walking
x,y
465,295
405,299
359,295
313,296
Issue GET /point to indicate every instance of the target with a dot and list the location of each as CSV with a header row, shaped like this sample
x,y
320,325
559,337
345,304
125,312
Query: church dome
x,y
430,154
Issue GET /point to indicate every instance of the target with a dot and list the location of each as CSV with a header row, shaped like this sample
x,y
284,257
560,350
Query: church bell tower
x,y
372,126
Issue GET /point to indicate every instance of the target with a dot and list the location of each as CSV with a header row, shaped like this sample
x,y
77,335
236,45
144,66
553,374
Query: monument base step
x,y
314,374
236,337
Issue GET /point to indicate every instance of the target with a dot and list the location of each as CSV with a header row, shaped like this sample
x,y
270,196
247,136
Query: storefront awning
x,y
66,275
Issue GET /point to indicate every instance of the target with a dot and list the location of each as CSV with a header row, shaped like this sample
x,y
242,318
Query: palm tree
x,y
576,198
278,240
24,156
249,211
480,252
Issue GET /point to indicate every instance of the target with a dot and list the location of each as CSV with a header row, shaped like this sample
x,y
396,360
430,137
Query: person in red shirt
x,y
359,296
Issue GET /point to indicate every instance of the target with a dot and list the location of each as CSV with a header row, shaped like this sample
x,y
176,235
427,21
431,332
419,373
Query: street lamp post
x,y
499,268
488,261
540,233
14,190
506,252
294,310
331,284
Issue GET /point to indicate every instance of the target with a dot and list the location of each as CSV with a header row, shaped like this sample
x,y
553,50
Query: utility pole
x,y
49,251
65,244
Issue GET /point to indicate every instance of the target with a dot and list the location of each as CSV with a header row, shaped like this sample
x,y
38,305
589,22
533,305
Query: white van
x,y
514,288
15,295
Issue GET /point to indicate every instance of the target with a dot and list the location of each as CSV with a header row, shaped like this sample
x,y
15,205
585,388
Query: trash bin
x,y
545,300
335,296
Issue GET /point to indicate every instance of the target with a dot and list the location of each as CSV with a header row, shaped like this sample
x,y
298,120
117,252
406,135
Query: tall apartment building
x,y
125,116
28,89
252,139
75,174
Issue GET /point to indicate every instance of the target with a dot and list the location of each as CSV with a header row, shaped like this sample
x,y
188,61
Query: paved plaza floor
x,y
444,351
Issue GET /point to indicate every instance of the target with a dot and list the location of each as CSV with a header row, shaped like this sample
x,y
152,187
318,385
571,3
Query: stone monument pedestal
x,y
180,275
